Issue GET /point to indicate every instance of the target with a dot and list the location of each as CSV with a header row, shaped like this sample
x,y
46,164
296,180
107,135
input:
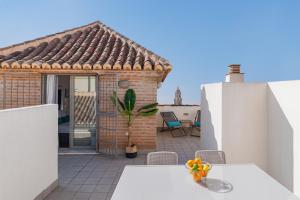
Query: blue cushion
x,y
197,124
174,124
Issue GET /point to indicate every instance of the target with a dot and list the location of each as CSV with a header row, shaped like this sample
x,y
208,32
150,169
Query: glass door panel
x,y
84,111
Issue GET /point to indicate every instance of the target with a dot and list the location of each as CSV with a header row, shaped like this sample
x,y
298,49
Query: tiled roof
x,y
93,46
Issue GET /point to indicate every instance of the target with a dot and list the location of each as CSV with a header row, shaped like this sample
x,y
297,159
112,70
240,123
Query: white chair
x,y
162,158
211,156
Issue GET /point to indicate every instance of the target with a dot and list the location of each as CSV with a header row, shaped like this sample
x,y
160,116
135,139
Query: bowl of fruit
x,y
198,168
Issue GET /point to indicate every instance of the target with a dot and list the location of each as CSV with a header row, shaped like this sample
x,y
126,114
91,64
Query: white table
x,y
174,182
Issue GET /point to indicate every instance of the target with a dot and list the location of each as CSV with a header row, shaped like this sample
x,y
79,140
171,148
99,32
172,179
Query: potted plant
x,y
126,108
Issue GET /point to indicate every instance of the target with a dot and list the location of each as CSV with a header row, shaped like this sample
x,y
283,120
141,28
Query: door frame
x,y
71,111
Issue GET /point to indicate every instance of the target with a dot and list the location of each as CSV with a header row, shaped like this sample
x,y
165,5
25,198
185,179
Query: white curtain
x,y
51,95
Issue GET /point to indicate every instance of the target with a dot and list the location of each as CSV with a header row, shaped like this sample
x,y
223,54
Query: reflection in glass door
x,y
83,115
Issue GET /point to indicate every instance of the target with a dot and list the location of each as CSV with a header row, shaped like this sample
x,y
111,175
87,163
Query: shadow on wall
x,y
280,143
207,140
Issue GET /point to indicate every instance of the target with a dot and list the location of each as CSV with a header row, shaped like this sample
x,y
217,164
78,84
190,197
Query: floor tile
x,y
82,196
103,188
106,180
87,188
95,177
98,196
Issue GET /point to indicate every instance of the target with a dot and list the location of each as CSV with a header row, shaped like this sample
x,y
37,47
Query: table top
x,y
247,182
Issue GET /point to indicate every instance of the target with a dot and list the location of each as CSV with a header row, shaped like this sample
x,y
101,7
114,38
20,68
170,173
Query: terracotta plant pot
x,y
131,152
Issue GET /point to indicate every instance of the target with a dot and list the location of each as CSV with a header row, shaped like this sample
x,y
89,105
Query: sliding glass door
x,y
83,111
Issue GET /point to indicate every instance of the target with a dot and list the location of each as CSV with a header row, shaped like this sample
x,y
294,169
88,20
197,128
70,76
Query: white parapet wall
x,y
255,123
28,152
223,104
211,116
284,133
244,114
183,112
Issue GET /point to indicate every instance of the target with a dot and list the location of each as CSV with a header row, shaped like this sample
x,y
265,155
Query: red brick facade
x,y
19,90
144,128
25,89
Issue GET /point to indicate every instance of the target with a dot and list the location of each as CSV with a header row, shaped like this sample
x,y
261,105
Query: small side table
x,y
187,124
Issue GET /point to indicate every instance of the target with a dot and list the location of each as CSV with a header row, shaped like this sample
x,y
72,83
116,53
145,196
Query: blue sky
x,y
199,38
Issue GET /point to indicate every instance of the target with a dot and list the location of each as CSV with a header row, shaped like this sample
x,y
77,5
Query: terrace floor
x,y
94,177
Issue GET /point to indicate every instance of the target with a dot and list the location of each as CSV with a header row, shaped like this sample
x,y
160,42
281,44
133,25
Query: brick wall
x,y
143,128
19,90
24,89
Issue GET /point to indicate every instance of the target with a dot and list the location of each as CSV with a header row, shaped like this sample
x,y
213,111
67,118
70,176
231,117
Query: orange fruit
x,y
197,177
190,163
198,161
204,173
200,168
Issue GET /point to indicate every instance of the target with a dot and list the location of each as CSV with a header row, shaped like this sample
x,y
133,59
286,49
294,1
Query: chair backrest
x,y
162,158
168,116
198,115
211,156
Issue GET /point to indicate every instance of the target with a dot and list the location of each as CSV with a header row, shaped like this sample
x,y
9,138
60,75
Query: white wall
x,y
284,133
257,123
183,112
211,116
244,115
28,151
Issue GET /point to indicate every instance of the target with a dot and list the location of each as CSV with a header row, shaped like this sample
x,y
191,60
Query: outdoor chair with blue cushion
x,y
197,125
172,123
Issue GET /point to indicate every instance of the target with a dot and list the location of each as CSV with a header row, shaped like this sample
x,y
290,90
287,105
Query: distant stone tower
x,y
178,99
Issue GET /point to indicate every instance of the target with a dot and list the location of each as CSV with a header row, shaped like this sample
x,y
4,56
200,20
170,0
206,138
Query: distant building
x,y
178,99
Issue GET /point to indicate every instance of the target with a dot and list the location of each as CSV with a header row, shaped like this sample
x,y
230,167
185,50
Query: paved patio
x,y
94,177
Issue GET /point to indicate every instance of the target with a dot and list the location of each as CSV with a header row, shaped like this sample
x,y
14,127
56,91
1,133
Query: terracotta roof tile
x,y
94,46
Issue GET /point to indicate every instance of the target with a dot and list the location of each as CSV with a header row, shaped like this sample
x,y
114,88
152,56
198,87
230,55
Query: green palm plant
x,y
126,108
